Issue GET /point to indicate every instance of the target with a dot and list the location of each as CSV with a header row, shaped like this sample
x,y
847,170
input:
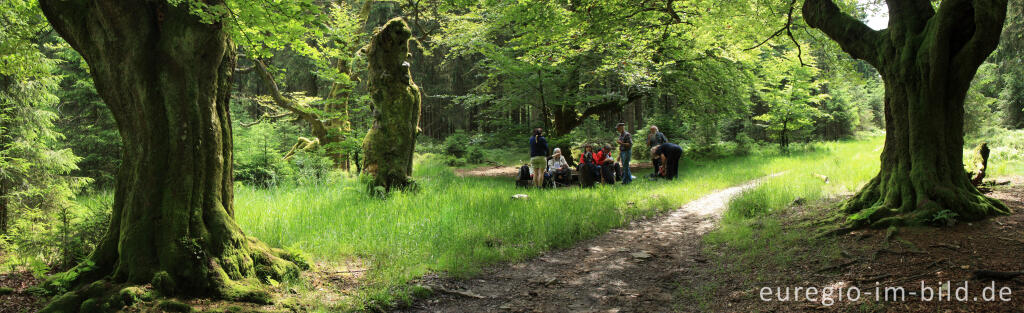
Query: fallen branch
x,y
997,275
839,266
466,293
947,246
874,278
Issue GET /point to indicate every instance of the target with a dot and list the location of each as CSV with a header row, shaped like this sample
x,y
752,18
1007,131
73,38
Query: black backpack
x,y
524,172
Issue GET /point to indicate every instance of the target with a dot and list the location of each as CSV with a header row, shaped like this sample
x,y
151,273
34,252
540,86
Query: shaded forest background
x,y
719,78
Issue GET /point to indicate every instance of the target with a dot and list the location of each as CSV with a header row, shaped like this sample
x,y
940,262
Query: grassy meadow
x,y
457,225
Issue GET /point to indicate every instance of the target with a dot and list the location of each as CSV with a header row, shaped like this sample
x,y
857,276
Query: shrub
x,y
743,144
453,161
475,155
61,238
456,144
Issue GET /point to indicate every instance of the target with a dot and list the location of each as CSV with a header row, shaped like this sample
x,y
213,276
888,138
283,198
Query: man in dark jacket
x,y
625,141
669,153
655,138
538,156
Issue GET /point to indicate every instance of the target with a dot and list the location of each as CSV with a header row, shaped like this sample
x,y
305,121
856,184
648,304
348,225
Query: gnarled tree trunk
x,y
927,60
390,142
166,77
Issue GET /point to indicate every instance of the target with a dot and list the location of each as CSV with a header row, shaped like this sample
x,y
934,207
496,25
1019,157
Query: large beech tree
x,y
926,58
166,77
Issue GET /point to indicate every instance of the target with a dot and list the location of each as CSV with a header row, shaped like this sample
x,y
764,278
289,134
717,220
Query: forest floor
x,y
631,269
662,264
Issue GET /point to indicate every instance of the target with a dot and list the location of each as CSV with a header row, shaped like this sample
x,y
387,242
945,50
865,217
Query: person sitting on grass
x,y
558,168
669,154
609,169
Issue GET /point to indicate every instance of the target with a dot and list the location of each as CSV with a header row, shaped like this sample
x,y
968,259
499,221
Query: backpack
x,y
524,173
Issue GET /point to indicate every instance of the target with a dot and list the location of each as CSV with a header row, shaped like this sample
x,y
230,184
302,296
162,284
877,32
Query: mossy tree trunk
x,y
390,142
166,77
927,59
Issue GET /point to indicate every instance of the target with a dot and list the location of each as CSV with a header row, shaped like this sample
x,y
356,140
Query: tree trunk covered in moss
x,y
927,60
390,142
166,77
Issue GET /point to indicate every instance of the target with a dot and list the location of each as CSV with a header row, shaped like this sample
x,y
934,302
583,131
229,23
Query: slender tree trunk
x,y
543,102
389,144
927,60
4,212
5,139
166,77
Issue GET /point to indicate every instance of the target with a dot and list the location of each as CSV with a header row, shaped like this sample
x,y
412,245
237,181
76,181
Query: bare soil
x,y
19,300
907,257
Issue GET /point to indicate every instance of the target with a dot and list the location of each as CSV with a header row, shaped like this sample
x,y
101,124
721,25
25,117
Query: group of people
x,y
600,166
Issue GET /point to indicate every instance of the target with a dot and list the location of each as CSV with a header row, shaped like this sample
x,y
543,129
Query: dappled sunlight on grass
x,y
458,225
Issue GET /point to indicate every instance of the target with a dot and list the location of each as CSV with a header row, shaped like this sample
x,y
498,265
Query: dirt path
x,y
633,269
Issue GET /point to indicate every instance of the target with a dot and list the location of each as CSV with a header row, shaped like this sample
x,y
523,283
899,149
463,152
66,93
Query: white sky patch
x,y
878,14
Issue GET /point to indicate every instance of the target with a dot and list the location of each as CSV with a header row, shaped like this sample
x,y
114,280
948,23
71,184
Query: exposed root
x,y
226,275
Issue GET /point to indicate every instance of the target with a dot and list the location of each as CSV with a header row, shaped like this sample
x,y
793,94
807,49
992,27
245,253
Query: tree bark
x,y
927,60
389,144
166,77
4,142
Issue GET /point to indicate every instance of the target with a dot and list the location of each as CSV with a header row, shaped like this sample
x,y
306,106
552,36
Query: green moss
x,y
297,257
245,292
163,283
131,295
69,302
173,306
90,306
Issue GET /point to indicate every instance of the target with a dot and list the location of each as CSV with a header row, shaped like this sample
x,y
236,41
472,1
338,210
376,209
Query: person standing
x,y
669,153
625,152
655,138
538,156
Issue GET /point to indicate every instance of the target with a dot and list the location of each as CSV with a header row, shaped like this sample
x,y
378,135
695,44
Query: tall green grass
x,y
458,225
752,228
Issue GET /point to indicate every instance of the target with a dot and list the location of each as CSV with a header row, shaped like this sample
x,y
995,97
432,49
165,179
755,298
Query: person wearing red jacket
x,y
589,167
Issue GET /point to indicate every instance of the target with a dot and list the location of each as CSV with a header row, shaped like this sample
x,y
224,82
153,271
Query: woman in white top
x,y
557,167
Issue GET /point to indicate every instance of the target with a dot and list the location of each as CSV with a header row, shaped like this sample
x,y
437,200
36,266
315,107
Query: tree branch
x,y
318,127
988,19
609,106
912,15
857,39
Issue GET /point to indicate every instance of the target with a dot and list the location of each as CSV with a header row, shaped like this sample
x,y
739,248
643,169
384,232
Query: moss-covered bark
x,y
927,60
166,77
390,142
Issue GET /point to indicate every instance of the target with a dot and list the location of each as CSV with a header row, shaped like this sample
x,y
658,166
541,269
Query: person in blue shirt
x,y
538,156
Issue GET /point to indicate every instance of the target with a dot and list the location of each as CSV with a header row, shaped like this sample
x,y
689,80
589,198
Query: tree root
x,y
225,277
